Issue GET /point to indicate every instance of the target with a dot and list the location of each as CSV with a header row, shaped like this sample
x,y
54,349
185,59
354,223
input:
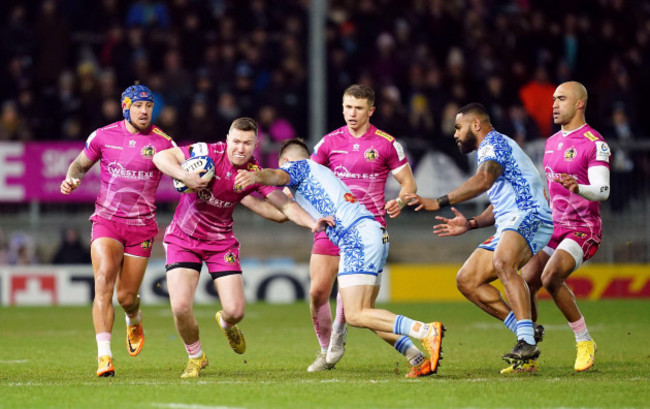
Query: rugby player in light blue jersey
x,y
364,246
520,211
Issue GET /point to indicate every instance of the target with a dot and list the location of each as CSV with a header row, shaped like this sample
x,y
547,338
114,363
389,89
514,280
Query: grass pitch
x,y
47,360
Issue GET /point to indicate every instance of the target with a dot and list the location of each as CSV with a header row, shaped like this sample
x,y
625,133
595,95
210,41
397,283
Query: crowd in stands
x,y
64,63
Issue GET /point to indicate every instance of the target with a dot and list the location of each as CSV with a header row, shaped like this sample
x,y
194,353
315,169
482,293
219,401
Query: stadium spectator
x,y
363,244
70,250
352,151
518,208
124,222
576,187
13,126
201,231
535,96
22,249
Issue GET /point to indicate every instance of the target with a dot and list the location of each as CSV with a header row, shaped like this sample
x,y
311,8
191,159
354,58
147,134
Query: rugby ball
x,y
204,163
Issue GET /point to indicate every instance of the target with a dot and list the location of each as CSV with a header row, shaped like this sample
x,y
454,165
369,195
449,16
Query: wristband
x,y
443,201
475,226
400,202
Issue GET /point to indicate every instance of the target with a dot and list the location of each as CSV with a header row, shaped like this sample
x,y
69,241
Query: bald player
x,y
576,162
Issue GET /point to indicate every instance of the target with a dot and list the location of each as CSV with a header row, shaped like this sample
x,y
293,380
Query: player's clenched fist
x,y
69,184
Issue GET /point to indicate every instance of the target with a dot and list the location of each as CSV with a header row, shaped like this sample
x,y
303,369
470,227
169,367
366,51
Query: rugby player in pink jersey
x,y
361,156
201,231
576,161
124,223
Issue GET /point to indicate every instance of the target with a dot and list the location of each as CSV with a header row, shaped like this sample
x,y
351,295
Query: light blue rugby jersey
x,y
321,193
519,188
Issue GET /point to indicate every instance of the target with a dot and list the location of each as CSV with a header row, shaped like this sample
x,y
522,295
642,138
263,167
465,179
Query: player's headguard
x,y
132,94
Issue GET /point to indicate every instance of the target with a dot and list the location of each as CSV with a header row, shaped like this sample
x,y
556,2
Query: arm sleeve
x,y
598,188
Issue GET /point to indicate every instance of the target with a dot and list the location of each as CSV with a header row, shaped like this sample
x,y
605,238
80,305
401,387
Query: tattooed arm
x,y
76,172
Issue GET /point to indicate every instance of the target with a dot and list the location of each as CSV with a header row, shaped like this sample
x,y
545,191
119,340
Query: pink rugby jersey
x,y
574,153
207,214
129,178
362,163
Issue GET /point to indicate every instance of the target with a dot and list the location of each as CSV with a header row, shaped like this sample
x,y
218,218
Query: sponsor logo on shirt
x,y
161,133
590,136
602,151
206,196
355,147
131,143
114,147
371,154
384,135
117,170
148,151
570,153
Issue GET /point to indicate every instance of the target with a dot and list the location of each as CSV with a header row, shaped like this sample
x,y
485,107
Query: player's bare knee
x,y
233,315
466,283
319,296
552,280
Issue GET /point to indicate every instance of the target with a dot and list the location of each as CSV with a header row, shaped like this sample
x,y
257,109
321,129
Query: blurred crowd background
x,y
64,63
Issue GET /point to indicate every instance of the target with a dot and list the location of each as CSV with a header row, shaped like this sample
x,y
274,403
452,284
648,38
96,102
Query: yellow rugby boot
x,y
234,335
194,366
586,355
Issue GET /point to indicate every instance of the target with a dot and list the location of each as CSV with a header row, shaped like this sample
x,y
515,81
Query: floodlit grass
x,y
47,360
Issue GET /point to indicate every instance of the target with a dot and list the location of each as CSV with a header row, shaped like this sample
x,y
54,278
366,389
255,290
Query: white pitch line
x,y
191,406
14,361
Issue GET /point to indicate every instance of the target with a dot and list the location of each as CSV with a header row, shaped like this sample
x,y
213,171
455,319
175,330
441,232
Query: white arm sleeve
x,y
598,188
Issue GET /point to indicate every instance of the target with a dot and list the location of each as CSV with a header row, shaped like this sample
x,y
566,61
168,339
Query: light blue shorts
x,y
536,231
363,252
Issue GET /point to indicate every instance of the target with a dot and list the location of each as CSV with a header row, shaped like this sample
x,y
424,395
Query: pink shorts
x,y
323,245
136,240
220,256
587,241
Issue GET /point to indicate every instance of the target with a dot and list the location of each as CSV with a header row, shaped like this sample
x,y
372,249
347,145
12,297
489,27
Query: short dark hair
x,y
476,109
244,124
299,143
361,91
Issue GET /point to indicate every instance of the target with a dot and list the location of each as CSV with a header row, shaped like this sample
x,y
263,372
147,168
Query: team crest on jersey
x,y
252,167
349,197
148,151
230,258
570,153
237,188
371,154
580,234
146,244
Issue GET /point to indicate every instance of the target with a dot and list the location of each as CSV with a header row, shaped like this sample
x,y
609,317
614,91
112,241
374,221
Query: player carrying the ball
x,y
201,231
124,223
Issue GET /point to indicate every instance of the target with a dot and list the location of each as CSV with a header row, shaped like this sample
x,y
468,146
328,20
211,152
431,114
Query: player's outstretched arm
x,y
266,177
291,209
486,174
460,224
76,172
169,162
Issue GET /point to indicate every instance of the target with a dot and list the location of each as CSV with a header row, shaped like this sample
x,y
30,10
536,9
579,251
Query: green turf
x,y
47,360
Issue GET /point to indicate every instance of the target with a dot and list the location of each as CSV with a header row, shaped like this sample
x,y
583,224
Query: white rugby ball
x,y
192,164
